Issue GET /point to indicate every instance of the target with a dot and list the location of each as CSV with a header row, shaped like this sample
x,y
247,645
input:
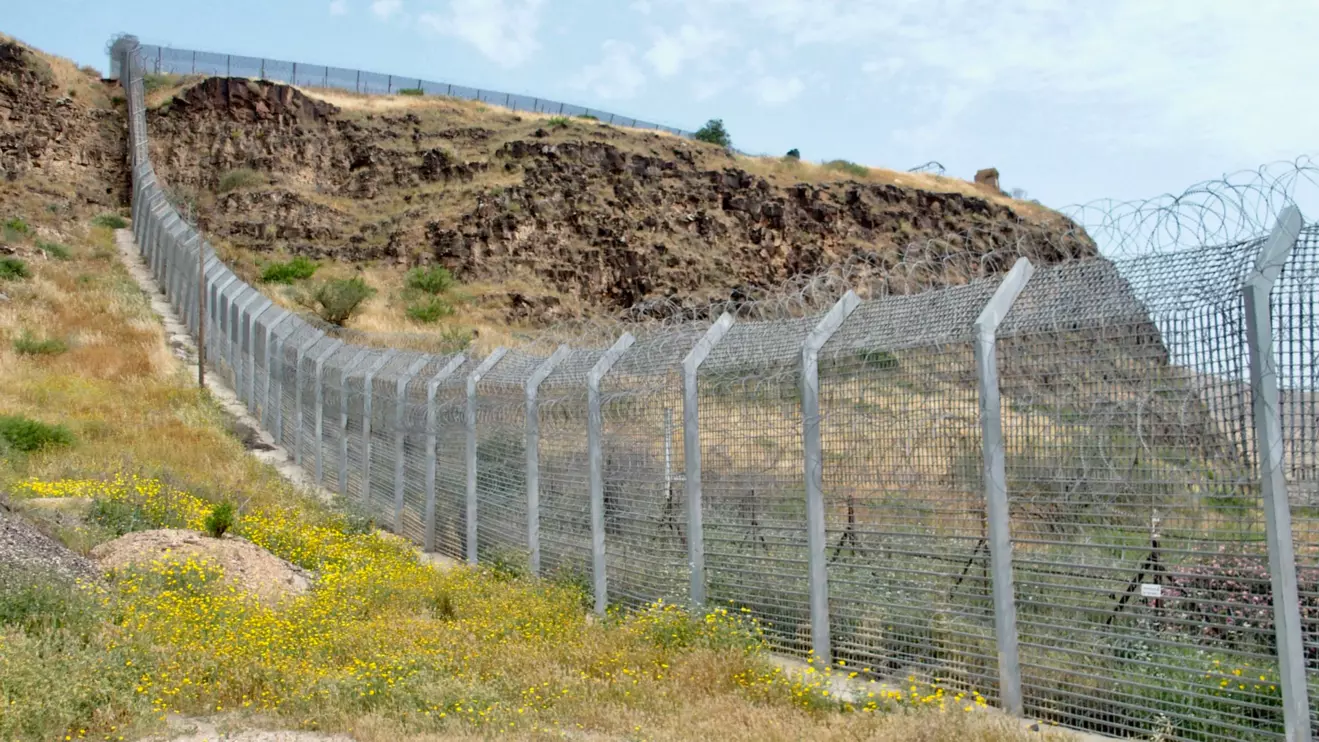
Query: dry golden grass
x,y
69,79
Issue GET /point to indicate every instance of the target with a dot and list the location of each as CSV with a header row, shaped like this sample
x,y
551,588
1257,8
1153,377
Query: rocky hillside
x,y
561,207
61,140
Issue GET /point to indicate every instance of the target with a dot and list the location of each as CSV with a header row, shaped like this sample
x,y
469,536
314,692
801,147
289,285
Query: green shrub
x,y
851,168
34,602
430,310
411,91
338,300
16,229
240,178
220,519
118,518
714,133
110,221
297,269
587,116
54,250
12,269
793,154
557,122
27,435
27,345
154,82
434,280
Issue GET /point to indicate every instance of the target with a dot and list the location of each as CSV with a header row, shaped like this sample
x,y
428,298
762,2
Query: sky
x,y
1070,101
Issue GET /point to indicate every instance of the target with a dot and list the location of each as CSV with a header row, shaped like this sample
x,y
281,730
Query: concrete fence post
x,y
1273,482
367,380
813,470
299,353
532,389
691,452
318,369
473,379
400,422
995,483
272,341
595,449
432,439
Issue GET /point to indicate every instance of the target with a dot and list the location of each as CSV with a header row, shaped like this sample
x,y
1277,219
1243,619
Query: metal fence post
x,y
341,480
1273,483
472,380
432,438
319,366
533,453
400,417
594,429
267,412
691,452
995,483
813,470
300,422
366,420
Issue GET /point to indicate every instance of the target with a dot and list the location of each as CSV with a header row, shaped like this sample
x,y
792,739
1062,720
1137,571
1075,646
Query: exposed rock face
x,y
987,179
45,130
610,215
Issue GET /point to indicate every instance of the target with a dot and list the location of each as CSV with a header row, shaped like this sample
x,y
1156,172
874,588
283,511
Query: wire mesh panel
x,y
333,407
354,391
642,443
501,461
415,441
451,462
565,502
1137,527
754,496
291,351
313,420
261,346
384,425
1296,347
906,543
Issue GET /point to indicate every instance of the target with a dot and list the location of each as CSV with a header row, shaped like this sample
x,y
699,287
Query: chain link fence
x,y
1086,491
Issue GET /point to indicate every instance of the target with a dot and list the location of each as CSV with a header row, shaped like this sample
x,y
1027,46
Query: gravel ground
x,y
23,546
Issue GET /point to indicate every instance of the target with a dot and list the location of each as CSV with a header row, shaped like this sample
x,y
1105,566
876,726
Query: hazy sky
x,y
1071,101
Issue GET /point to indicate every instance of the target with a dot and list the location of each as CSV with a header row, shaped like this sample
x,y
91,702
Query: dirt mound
x,y
606,215
246,566
24,547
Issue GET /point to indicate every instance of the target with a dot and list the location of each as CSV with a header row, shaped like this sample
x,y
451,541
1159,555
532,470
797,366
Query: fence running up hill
x,y
1085,490
165,60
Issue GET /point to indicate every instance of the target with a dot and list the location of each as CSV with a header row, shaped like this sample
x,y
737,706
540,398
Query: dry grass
x,y
69,80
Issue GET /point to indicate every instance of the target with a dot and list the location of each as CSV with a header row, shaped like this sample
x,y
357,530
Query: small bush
x,y
430,310
12,269
220,519
118,517
587,116
297,269
557,122
27,345
433,280
337,301
152,83
17,225
793,154
851,168
110,221
29,436
54,250
714,133
411,91
35,602
240,178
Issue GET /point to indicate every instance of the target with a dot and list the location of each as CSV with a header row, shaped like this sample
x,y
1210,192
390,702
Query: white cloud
x,y
338,7
670,51
642,7
503,30
386,9
882,69
775,91
616,75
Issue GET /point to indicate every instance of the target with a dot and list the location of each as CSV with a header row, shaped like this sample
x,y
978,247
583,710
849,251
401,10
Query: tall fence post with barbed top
x,y
995,482
473,379
400,418
1273,482
432,439
534,381
691,447
813,470
595,456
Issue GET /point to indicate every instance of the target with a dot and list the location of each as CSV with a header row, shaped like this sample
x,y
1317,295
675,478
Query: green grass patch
x,y
110,221
240,178
557,122
54,250
411,91
15,229
29,436
588,117
430,310
13,269
26,344
297,269
849,167
434,280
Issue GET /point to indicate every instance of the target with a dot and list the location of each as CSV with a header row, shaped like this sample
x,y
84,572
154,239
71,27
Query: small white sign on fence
x,y
1151,591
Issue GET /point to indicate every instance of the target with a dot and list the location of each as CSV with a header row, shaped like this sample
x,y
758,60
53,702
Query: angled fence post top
x,y
697,355
1273,255
474,378
434,384
608,360
546,368
829,324
998,307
